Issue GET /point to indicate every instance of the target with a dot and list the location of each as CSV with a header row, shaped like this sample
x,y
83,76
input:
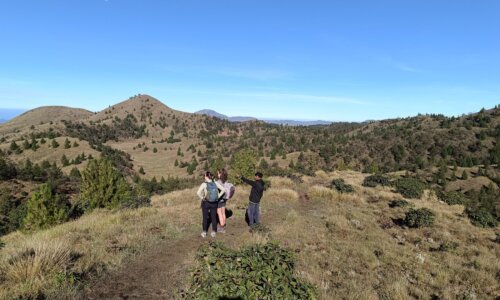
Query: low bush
x,y
260,228
410,187
255,272
447,246
375,180
341,186
452,198
481,218
398,203
422,217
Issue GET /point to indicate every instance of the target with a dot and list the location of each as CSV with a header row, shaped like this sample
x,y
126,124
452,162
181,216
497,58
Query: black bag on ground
x,y
229,213
247,218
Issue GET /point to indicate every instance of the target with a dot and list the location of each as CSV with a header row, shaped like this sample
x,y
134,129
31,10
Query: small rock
x,y
420,257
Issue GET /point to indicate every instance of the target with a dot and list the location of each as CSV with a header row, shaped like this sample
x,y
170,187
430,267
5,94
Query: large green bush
x,y
102,186
421,217
481,218
377,179
255,272
243,162
45,208
341,186
452,198
410,187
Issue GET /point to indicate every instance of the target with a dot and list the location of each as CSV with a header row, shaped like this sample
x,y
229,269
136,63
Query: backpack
x,y
230,189
212,192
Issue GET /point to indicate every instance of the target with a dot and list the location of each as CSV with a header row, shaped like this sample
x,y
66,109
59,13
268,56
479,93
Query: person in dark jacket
x,y
256,193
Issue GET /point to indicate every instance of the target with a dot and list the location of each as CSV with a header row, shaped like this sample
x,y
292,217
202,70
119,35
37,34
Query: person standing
x,y
256,193
209,193
221,210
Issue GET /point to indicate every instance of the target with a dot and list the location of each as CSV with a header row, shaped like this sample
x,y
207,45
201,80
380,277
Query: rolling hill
x,y
353,192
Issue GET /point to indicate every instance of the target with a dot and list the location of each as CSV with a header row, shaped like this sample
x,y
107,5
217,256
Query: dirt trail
x,y
164,270
160,273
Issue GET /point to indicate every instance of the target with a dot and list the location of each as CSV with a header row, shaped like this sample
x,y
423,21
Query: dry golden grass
x,y
99,241
340,243
46,152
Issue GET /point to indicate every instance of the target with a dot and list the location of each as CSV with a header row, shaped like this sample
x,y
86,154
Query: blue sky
x,y
331,60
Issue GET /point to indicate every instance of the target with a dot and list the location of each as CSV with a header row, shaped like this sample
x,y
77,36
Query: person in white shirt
x,y
209,193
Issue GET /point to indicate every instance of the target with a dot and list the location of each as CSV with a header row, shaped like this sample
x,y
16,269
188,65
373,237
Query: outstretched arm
x,y
247,181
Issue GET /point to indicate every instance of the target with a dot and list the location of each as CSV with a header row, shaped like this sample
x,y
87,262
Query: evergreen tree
x,y
45,208
26,145
64,160
54,144
75,144
15,148
74,173
243,163
141,171
102,186
465,176
67,144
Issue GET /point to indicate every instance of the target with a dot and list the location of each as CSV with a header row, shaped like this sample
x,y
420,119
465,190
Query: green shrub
x,y
45,208
260,228
447,246
452,198
341,186
243,163
102,186
377,179
410,187
421,217
399,203
255,272
481,218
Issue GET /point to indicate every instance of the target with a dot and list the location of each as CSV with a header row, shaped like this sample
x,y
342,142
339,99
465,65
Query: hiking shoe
x,y
222,230
212,234
204,234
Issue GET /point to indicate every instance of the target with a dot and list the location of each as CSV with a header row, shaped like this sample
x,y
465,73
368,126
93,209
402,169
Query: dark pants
x,y
253,213
209,211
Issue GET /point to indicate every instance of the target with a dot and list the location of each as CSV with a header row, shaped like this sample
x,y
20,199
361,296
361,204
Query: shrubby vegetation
x,y
399,203
375,180
421,217
341,186
255,272
45,208
102,186
452,198
410,187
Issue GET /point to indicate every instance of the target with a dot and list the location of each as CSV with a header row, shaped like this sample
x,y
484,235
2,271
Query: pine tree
x,y
67,144
75,144
176,163
15,148
141,171
74,173
465,176
243,163
54,144
45,208
102,186
64,160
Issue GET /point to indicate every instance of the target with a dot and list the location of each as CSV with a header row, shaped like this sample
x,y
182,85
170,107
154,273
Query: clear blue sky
x,y
332,60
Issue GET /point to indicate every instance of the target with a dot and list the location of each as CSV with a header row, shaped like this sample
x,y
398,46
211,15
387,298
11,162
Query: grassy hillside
x,y
350,246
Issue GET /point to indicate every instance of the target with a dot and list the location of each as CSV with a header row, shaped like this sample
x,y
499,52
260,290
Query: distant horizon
x,y
7,114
